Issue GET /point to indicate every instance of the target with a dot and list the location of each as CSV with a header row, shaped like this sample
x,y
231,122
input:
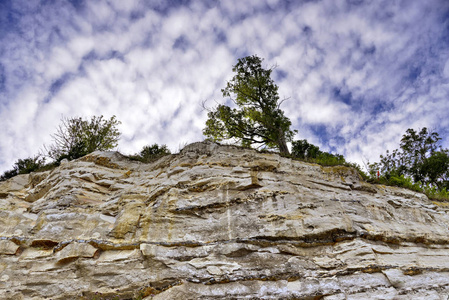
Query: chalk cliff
x,y
217,222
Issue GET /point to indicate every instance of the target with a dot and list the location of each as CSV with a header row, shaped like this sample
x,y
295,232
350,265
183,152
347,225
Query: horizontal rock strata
x,y
217,222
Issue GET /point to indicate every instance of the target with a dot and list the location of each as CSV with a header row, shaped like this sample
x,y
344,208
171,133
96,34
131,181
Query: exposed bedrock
x,y
217,222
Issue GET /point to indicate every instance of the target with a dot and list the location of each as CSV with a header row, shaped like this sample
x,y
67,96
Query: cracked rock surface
x,y
217,222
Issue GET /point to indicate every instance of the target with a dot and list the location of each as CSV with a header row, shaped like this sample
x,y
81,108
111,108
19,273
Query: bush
x,y
9,174
31,164
405,182
436,194
329,159
24,166
151,153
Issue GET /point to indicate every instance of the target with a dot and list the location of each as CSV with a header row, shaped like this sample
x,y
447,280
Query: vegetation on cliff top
x,y
77,137
151,153
258,119
420,163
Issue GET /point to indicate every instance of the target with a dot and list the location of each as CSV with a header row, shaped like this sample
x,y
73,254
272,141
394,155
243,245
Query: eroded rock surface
x,y
217,222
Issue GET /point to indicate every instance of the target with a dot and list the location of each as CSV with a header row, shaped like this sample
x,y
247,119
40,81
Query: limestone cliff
x,y
217,222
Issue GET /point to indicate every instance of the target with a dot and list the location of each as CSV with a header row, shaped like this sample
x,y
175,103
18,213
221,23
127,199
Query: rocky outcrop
x,y
217,222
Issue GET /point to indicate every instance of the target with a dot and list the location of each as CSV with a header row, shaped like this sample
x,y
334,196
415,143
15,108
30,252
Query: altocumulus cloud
x,y
357,74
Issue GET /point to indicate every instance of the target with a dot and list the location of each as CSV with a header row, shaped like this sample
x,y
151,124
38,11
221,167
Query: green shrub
x,y
328,159
405,182
151,153
9,174
24,166
436,194
31,164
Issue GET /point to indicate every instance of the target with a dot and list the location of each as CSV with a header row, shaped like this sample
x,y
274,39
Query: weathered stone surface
x,y
217,222
8,247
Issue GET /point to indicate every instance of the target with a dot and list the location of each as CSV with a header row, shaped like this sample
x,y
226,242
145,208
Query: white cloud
x,y
125,7
388,61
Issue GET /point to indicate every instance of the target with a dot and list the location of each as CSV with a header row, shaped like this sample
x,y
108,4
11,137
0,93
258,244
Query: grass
x,y
435,194
431,192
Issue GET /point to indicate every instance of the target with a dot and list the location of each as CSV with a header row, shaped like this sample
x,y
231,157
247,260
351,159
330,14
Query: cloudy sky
x,y
357,73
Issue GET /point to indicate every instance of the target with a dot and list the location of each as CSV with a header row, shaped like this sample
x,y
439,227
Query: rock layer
x,y
217,222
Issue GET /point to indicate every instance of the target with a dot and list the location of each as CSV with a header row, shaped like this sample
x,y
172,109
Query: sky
x,y
356,74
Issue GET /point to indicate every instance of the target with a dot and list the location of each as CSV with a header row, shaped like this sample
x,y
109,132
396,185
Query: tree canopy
x,y
419,157
257,118
76,137
306,151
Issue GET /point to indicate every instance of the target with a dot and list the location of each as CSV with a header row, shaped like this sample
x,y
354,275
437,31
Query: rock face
x,y
217,222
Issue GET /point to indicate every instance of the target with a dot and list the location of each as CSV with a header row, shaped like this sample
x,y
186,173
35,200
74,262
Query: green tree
x,y
76,137
416,148
304,150
419,157
258,118
435,169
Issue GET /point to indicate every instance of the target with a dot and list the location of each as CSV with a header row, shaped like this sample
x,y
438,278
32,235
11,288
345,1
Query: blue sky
x,y
357,73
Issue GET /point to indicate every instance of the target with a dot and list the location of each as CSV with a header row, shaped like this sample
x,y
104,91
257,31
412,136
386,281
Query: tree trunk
x,y
282,143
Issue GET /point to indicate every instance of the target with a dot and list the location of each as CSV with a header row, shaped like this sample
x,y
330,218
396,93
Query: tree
x,y
76,137
436,169
419,157
416,148
304,150
258,118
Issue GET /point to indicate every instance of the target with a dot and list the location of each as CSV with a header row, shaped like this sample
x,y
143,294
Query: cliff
x,y
217,222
